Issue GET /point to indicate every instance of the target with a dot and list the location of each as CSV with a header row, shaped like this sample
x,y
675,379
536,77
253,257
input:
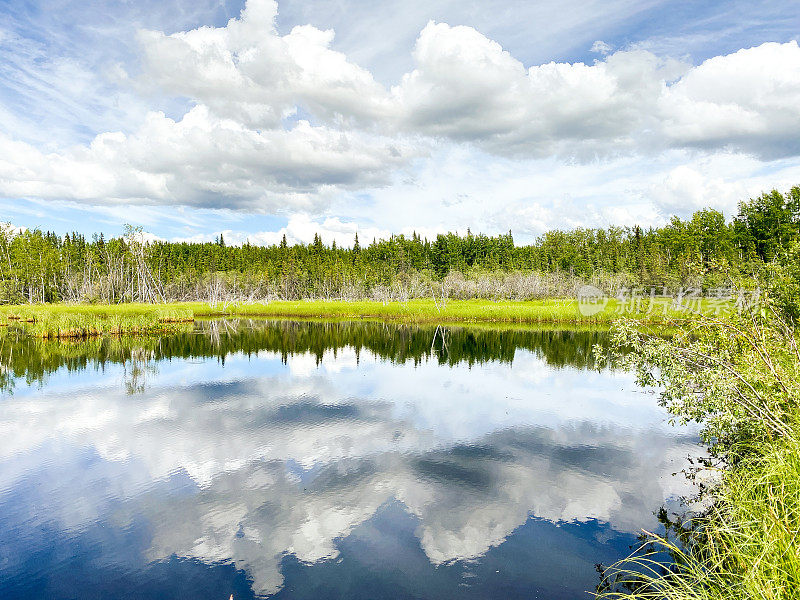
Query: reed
x,y
746,547
75,321
86,320
554,310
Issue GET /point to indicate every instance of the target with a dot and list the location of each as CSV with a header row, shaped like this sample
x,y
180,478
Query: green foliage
x,y
769,224
745,547
783,283
740,378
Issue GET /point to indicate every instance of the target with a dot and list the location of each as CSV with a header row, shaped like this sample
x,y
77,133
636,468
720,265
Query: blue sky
x,y
259,119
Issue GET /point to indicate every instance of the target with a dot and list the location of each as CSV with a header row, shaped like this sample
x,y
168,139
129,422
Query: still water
x,y
314,460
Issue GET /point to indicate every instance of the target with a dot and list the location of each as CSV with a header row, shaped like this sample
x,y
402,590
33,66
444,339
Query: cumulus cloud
x,y
246,71
747,100
466,87
200,160
9,229
301,229
685,189
285,123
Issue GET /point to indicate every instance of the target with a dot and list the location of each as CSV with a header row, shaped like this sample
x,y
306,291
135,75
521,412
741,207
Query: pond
x,y
325,460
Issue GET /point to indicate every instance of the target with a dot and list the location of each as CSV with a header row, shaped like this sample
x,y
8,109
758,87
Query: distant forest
x,y
702,252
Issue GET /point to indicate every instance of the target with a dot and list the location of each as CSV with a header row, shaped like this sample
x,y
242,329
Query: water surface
x,y
324,460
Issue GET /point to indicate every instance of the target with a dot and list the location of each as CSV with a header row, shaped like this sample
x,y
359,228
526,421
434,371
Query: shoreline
x,y
88,320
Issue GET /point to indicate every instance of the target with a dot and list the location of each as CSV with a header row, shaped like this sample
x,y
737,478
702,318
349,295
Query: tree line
x,y
702,251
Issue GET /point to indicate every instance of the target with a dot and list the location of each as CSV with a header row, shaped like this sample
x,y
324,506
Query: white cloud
x,y
685,187
246,71
287,124
466,87
748,100
202,160
457,188
11,230
601,47
720,181
300,229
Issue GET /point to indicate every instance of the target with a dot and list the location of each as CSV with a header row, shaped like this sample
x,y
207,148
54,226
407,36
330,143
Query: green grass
x,y
556,311
749,544
82,320
86,320
740,378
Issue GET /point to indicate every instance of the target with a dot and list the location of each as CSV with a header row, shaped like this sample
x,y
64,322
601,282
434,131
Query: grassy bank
x,y
87,320
739,378
555,311
745,547
82,320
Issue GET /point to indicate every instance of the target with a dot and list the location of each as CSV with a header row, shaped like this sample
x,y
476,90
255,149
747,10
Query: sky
x,y
257,119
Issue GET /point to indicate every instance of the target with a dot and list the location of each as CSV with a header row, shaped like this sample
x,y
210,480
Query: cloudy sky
x,y
196,117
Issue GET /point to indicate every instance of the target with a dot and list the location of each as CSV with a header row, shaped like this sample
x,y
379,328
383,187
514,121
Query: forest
x,y
704,252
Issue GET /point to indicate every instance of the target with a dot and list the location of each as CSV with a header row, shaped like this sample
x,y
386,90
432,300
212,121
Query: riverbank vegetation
x,y
704,252
87,320
740,378
731,365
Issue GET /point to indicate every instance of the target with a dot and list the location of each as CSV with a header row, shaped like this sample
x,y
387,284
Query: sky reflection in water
x,y
325,461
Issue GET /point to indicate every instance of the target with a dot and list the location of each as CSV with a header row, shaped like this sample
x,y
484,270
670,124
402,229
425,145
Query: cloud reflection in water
x,y
270,466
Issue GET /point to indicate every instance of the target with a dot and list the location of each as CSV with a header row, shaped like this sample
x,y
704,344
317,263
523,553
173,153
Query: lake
x,y
325,460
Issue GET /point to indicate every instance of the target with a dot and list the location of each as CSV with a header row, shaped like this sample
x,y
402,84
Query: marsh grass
x,y
553,310
745,547
85,320
75,321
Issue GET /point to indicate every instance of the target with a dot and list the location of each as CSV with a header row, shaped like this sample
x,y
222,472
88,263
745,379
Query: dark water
x,y
310,460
